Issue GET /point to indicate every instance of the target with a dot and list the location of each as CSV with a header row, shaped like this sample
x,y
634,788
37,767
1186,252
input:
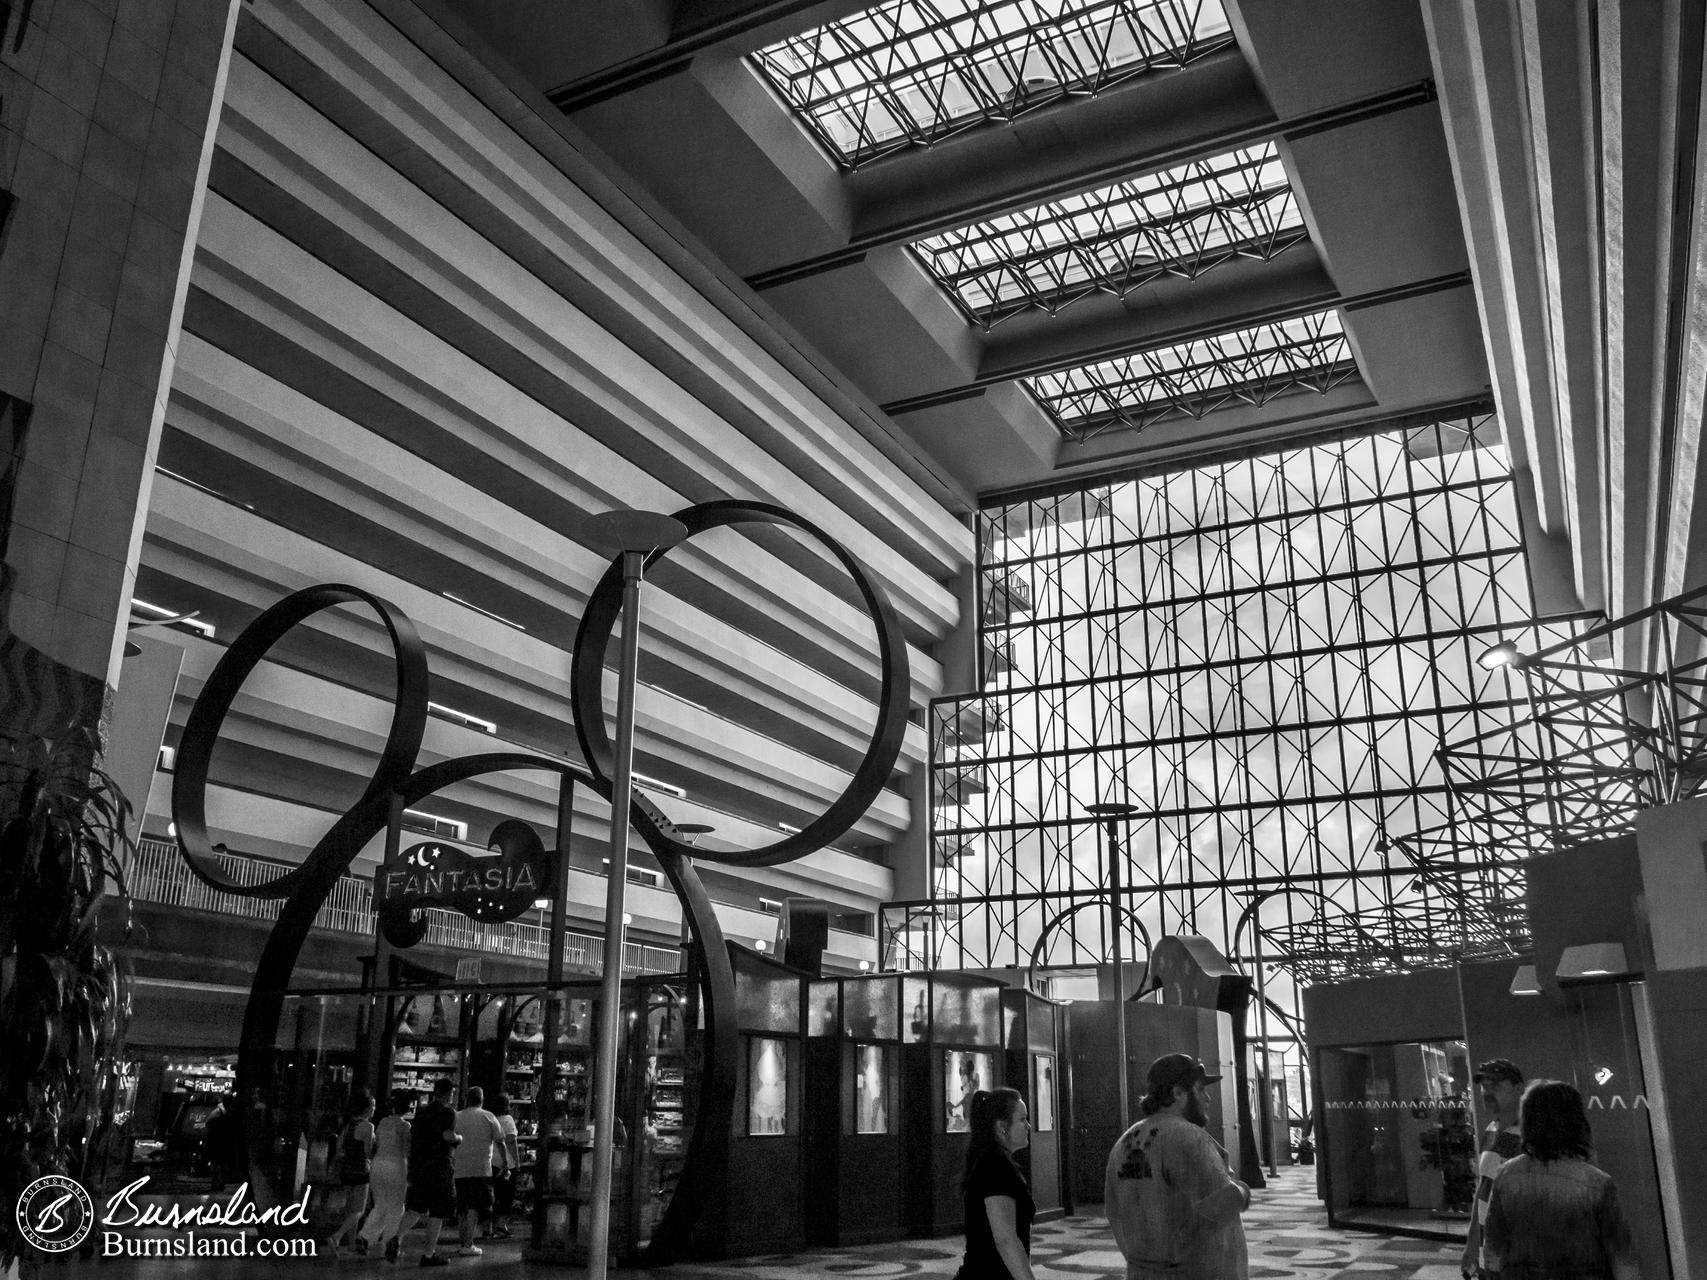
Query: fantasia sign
x,y
495,887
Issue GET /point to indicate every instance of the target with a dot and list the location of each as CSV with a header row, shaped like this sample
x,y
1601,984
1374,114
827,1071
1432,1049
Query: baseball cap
x,y
1175,1069
1495,1070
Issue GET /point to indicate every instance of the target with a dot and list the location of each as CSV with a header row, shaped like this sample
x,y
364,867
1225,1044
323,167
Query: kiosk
x,y
951,1047
852,1121
1033,1029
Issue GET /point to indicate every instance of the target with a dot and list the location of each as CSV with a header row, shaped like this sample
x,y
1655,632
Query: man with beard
x,y
1169,1197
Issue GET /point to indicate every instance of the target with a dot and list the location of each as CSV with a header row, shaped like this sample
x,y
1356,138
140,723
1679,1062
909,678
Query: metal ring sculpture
x,y
396,780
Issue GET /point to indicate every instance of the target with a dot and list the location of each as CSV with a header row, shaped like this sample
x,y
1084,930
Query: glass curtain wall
x,y
1262,656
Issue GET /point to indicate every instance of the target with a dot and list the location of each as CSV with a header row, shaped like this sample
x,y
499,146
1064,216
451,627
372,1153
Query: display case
x,y
852,1110
951,1037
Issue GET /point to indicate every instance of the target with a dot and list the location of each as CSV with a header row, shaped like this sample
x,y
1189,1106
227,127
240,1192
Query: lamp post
x,y
1110,815
632,535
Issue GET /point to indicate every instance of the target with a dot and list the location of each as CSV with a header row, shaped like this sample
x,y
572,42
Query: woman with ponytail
x,y
998,1201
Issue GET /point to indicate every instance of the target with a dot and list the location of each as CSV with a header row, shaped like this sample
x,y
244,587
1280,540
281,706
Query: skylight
x,y
1182,222
1193,378
911,72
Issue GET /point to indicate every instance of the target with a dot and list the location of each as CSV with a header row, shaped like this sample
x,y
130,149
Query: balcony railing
x,y
158,875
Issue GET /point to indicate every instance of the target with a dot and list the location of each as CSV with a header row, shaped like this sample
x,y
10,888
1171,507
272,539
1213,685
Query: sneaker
x,y
470,1251
434,1260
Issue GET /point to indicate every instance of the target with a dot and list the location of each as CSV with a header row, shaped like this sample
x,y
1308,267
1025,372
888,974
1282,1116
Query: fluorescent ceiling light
x,y
652,784
462,717
469,604
1526,982
211,492
171,617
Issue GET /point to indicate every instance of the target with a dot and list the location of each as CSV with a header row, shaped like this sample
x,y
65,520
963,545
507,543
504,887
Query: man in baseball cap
x,y
1169,1196
1499,1081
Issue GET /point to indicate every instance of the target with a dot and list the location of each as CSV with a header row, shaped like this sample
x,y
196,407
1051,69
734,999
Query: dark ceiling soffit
x,y
1200,148
1150,342
1232,453
670,58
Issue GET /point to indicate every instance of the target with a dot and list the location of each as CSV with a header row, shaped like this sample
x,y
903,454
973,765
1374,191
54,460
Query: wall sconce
x,y
1526,982
1594,962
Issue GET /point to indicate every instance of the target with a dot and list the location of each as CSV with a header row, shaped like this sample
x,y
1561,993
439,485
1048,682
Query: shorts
x,y
432,1192
473,1194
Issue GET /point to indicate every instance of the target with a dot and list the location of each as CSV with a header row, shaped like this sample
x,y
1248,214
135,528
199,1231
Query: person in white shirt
x,y
390,1177
1172,1202
478,1132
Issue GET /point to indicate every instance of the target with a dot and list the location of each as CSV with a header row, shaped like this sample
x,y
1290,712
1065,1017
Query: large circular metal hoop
x,y
586,679
201,733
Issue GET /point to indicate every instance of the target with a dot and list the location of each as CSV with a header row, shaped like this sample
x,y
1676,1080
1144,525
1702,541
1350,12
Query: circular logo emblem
x,y
55,1213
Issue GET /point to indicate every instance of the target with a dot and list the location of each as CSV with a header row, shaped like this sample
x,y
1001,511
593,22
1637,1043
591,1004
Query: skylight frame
x,y
1195,377
909,73
1179,222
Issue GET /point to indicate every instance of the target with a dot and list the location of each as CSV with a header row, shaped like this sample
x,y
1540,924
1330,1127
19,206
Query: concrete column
x,y
107,118
1674,887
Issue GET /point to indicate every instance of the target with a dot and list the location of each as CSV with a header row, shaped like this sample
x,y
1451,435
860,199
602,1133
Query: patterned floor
x,y
1286,1229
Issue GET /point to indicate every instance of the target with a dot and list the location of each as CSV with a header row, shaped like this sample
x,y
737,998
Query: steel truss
x,y
1180,222
910,73
1188,380
1265,656
1606,736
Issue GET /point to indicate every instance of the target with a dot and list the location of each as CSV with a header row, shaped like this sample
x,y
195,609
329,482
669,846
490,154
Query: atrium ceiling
x,y
1053,242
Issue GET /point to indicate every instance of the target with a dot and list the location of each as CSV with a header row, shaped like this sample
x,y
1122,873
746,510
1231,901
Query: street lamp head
x,y
1503,654
614,532
1112,810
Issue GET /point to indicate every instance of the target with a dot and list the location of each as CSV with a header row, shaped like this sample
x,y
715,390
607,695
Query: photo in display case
x,y
871,1089
1043,1092
767,1087
964,1072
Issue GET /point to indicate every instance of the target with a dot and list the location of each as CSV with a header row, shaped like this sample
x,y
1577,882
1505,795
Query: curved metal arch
x,y
201,731
1100,899
586,677
1249,912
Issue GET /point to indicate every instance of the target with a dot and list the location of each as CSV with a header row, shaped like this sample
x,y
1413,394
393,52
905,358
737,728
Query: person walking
x,y
431,1197
355,1162
1499,1081
1551,1212
997,1198
390,1178
479,1133
1167,1191
506,1160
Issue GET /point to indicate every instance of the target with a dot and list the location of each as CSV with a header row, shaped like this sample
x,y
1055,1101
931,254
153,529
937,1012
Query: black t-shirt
x,y
427,1145
994,1175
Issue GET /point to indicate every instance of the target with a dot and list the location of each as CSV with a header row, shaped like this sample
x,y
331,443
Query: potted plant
x,y
64,1001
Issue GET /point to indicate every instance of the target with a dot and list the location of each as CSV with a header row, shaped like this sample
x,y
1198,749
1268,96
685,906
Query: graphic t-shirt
x,y
995,1175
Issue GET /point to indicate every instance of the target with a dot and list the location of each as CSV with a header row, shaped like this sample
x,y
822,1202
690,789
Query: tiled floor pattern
x,y
1286,1228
